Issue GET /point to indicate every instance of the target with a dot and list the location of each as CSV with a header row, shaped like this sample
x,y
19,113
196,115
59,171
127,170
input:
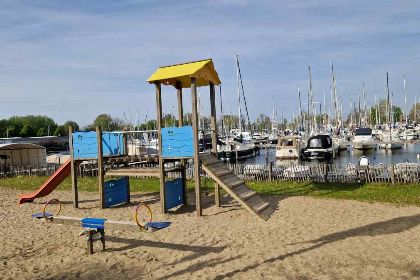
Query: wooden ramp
x,y
235,187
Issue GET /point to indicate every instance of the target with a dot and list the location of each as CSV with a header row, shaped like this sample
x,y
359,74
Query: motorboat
x,y
319,147
391,140
233,150
288,147
363,139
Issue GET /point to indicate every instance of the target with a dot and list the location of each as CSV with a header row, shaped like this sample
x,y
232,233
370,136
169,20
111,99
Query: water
x,y
407,153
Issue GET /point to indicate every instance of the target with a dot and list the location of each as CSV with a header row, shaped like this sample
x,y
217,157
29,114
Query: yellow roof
x,y
202,70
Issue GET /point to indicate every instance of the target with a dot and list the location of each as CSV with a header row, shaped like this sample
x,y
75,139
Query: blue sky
x,y
77,59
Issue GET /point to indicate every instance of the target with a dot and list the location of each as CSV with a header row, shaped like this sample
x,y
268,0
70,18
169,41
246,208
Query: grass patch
x,y
399,194
90,184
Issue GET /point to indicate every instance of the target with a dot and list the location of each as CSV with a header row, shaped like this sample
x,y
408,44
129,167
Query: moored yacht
x,y
288,147
319,147
363,139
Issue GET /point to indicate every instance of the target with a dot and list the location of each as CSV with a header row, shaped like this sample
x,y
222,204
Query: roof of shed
x,y
20,146
202,70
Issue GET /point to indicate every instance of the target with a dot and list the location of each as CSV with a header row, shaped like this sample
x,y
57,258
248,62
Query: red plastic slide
x,y
49,185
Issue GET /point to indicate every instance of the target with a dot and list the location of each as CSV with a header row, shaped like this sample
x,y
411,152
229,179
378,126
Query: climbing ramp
x,y
235,187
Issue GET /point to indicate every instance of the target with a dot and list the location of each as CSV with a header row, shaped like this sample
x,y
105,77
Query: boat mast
x,y
300,108
405,102
334,93
309,100
323,113
239,94
387,102
364,104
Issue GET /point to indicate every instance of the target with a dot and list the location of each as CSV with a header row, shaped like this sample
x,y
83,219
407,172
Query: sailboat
x,y
391,139
240,145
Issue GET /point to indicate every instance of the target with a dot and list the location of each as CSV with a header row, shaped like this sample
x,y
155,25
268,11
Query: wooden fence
x,y
320,172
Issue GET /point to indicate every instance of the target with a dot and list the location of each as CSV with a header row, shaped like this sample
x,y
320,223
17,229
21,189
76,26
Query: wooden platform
x,y
110,224
235,187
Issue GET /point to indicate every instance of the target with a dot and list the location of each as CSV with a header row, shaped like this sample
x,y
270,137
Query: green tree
x,y
263,122
41,132
414,114
60,131
66,126
27,131
103,121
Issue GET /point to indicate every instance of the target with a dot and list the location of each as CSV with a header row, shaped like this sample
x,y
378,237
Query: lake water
x,y
407,153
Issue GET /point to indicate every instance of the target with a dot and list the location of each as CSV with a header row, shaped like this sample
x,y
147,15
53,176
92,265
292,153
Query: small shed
x,y
22,154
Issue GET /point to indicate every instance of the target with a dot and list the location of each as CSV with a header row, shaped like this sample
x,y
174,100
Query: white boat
x,y
341,143
288,148
363,139
233,150
391,140
409,133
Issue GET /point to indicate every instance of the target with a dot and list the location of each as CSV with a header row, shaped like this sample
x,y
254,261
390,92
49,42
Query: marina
x,y
210,140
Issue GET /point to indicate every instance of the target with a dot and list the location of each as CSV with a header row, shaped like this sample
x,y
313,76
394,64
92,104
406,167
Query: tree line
x,y
32,126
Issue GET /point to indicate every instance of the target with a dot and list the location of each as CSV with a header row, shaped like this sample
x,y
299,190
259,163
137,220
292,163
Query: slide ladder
x,y
235,187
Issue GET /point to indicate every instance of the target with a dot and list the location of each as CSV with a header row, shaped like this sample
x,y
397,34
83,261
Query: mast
x,y
243,92
309,98
300,108
359,111
405,102
324,122
364,103
387,101
334,93
239,95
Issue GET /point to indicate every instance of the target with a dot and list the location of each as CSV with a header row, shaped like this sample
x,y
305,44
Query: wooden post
x,y
270,171
159,132
180,124
73,173
100,168
214,137
196,158
392,174
127,179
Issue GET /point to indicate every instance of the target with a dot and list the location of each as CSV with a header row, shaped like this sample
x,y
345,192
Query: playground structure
x,y
181,143
174,144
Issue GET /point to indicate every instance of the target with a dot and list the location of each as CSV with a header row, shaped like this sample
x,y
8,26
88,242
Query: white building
x,y
22,155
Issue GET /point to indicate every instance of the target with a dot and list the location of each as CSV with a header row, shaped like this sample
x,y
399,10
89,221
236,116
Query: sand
x,y
305,238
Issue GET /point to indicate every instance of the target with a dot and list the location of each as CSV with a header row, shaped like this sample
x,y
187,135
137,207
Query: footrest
x,y
40,215
154,226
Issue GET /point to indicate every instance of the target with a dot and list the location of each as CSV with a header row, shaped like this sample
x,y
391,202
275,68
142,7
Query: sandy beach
x,y
305,238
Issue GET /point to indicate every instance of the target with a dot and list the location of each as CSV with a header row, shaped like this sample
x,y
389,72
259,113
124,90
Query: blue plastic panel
x,y
177,142
174,192
112,144
85,145
116,192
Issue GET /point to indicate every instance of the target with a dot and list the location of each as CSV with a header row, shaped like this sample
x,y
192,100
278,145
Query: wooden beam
x,y
196,151
73,172
100,168
159,131
180,124
109,224
214,137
